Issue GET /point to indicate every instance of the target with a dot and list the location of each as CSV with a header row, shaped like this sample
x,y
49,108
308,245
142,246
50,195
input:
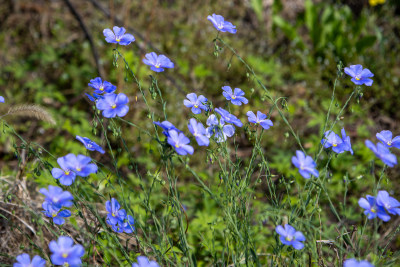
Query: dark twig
x,y
88,37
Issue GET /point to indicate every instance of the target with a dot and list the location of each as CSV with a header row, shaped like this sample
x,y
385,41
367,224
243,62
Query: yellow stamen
x,y
177,146
54,215
118,40
66,172
196,106
66,264
64,255
334,145
220,26
233,97
157,66
357,78
288,238
113,214
101,88
373,210
114,106
389,143
78,169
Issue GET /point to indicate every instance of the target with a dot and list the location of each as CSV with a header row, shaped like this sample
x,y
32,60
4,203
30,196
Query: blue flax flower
x,y
115,213
290,237
102,87
118,36
199,132
221,25
356,263
143,261
126,225
89,144
65,174
166,125
305,164
382,152
71,166
113,105
261,119
228,117
24,260
219,129
391,204
1,99
372,209
65,253
55,213
236,97
179,142
57,196
157,63
339,145
386,138
94,97
359,75
196,103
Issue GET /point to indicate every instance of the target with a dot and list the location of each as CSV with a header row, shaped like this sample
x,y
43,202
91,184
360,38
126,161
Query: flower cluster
x,y
380,206
72,166
118,219
381,150
339,145
290,237
55,200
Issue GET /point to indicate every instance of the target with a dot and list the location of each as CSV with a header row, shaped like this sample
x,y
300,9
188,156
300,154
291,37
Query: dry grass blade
x,y
32,111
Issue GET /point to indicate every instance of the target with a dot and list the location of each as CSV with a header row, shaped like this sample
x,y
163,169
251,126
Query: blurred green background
x,y
49,50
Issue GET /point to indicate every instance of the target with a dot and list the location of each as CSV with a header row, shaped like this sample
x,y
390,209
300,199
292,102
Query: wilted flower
x,y
199,132
143,261
101,87
236,97
24,260
179,142
196,103
90,145
372,209
65,253
221,25
360,75
113,105
382,152
118,36
386,138
305,164
157,63
290,237
259,119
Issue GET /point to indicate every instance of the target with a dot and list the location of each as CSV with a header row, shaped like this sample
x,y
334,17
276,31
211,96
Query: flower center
x,y
67,172
157,65
220,26
112,214
118,40
64,255
373,210
66,264
289,238
233,97
177,145
78,169
389,143
101,88
114,106
54,215
334,145
357,78
196,106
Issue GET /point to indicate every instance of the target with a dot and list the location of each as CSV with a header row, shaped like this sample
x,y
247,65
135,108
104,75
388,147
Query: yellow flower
x,y
376,2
